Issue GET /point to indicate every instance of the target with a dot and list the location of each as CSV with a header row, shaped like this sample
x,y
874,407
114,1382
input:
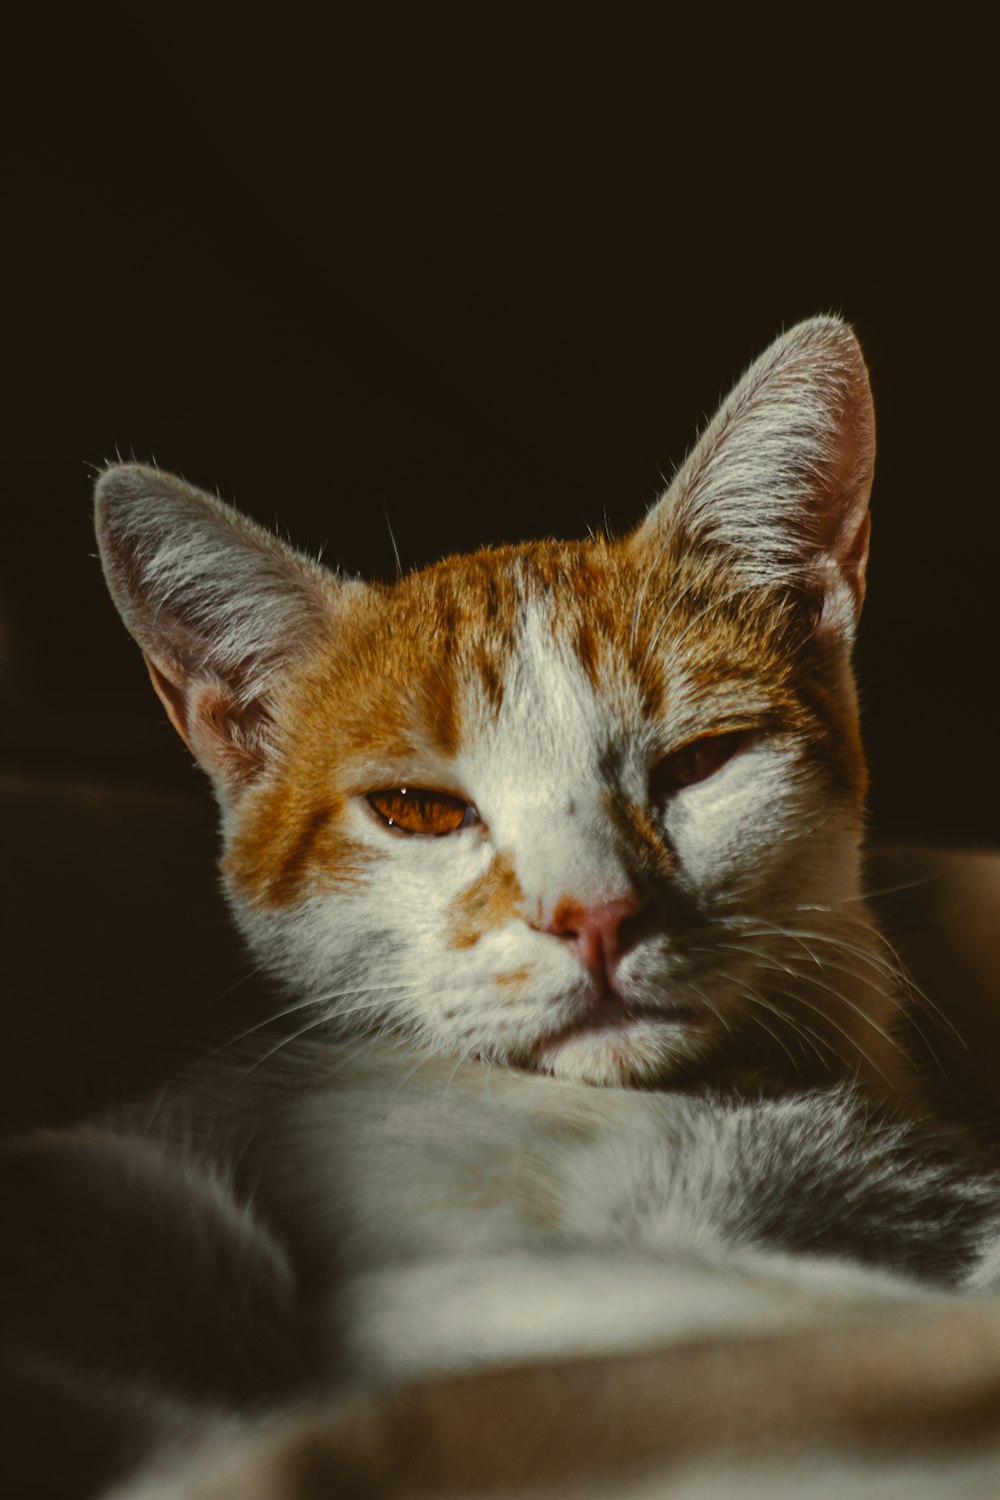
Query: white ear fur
x,y
779,480
216,604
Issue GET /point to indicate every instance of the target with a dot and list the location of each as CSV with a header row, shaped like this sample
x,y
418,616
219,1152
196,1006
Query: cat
x,y
671,719
591,1063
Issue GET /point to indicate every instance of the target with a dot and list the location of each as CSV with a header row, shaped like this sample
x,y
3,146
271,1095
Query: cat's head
x,y
559,804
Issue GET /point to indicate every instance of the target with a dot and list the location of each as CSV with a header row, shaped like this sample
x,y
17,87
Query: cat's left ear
x,y
220,608
779,481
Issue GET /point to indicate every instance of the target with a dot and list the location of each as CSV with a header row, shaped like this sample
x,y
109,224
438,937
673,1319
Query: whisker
x,y
886,971
885,890
913,990
258,1026
796,1023
279,1046
815,978
807,1033
771,1033
716,1012
895,971
799,999
237,984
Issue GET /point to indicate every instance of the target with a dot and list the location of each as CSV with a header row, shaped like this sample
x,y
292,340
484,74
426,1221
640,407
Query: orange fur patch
x,y
490,902
514,976
288,844
649,854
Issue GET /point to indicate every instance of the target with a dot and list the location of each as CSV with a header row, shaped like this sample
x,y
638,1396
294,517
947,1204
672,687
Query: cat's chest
x,y
389,1169
500,1218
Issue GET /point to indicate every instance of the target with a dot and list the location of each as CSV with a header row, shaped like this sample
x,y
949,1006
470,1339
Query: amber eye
x,y
695,761
417,809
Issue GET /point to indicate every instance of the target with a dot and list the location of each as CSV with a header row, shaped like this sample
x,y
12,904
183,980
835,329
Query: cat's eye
x,y
418,809
696,761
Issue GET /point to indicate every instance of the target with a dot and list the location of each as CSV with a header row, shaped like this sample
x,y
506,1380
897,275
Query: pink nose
x,y
597,930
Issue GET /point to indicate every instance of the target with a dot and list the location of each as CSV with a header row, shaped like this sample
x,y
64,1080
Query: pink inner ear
x,y
225,739
174,698
854,559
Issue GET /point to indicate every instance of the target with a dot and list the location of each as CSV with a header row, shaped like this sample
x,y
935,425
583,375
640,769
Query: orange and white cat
x,y
591,809
591,1046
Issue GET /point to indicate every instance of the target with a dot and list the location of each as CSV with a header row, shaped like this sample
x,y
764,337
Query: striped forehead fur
x,y
411,670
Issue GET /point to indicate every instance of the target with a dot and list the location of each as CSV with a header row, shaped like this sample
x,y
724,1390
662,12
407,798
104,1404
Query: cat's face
x,y
604,765
554,805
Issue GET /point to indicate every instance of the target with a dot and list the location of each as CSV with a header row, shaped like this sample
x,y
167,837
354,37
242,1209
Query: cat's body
x,y
466,1217
226,1273
557,849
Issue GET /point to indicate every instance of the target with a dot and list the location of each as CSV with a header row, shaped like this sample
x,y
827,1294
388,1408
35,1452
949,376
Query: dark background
x,y
480,287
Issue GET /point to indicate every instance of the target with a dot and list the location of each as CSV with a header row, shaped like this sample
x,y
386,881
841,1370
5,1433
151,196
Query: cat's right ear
x,y
777,485
218,606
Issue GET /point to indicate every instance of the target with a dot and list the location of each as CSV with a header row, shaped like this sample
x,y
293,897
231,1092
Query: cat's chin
x,y
637,1054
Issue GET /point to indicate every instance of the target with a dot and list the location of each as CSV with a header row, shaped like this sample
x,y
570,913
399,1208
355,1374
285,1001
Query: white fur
x,y
477,1217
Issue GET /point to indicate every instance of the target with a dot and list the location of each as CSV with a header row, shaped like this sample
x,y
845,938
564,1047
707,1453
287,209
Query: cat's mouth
x,y
611,1042
611,1018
